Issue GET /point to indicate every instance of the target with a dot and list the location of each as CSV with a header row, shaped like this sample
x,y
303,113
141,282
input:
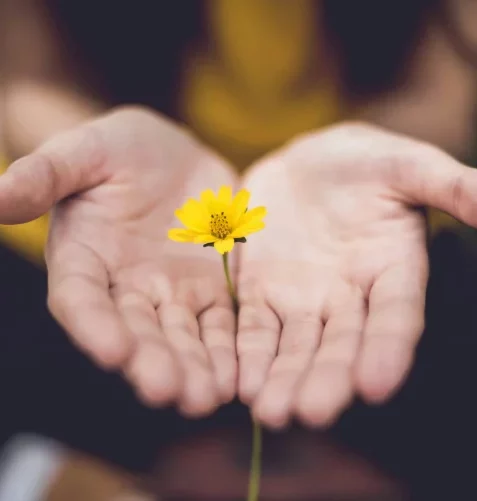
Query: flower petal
x,y
194,215
256,214
223,246
247,229
225,195
208,198
181,235
196,207
239,205
205,239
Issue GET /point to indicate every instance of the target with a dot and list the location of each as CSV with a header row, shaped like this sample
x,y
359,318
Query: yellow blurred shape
x,y
27,239
438,221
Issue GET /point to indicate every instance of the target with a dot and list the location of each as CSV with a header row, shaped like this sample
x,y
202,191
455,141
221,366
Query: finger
x,y
431,177
153,368
217,331
199,391
78,297
327,388
67,164
257,344
393,328
298,343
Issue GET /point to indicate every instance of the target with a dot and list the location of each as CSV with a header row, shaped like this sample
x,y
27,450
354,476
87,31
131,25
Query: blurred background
x,y
246,76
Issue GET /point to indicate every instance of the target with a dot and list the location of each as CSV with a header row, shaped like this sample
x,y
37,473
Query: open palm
x,y
332,292
134,301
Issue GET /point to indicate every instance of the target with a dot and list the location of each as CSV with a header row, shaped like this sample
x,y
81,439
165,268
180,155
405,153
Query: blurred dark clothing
x,y
131,51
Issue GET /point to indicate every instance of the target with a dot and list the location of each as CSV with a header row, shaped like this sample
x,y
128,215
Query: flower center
x,y
219,226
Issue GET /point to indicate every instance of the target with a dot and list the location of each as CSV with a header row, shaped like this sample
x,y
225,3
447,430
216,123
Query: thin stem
x,y
230,285
256,463
255,467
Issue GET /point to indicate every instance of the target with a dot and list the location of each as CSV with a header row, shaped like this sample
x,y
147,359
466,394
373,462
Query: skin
x,y
157,311
331,292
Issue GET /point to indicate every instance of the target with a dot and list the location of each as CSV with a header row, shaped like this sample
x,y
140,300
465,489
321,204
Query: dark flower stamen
x,y
219,226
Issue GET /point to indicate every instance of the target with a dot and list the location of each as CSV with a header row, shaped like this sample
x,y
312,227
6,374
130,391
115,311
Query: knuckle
x,y
83,146
125,298
64,296
219,318
110,356
303,319
288,365
252,317
34,171
57,300
179,318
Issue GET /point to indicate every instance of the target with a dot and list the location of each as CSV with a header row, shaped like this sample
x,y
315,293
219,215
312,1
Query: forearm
x,y
437,102
35,111
40,95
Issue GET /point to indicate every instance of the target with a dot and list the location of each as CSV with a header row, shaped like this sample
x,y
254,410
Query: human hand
x,y
332,293
131,299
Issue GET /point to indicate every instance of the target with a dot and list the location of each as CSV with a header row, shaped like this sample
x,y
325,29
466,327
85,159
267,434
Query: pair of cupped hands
x,y
331,293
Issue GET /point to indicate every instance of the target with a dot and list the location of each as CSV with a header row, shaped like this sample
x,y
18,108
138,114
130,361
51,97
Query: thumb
x,y
67,164
433,178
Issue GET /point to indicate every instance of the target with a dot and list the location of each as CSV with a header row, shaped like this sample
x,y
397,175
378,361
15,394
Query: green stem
x,y
255,467
256,463
230,285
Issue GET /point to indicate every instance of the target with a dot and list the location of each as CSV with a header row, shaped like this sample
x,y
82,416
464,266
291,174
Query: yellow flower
x,y
218,220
